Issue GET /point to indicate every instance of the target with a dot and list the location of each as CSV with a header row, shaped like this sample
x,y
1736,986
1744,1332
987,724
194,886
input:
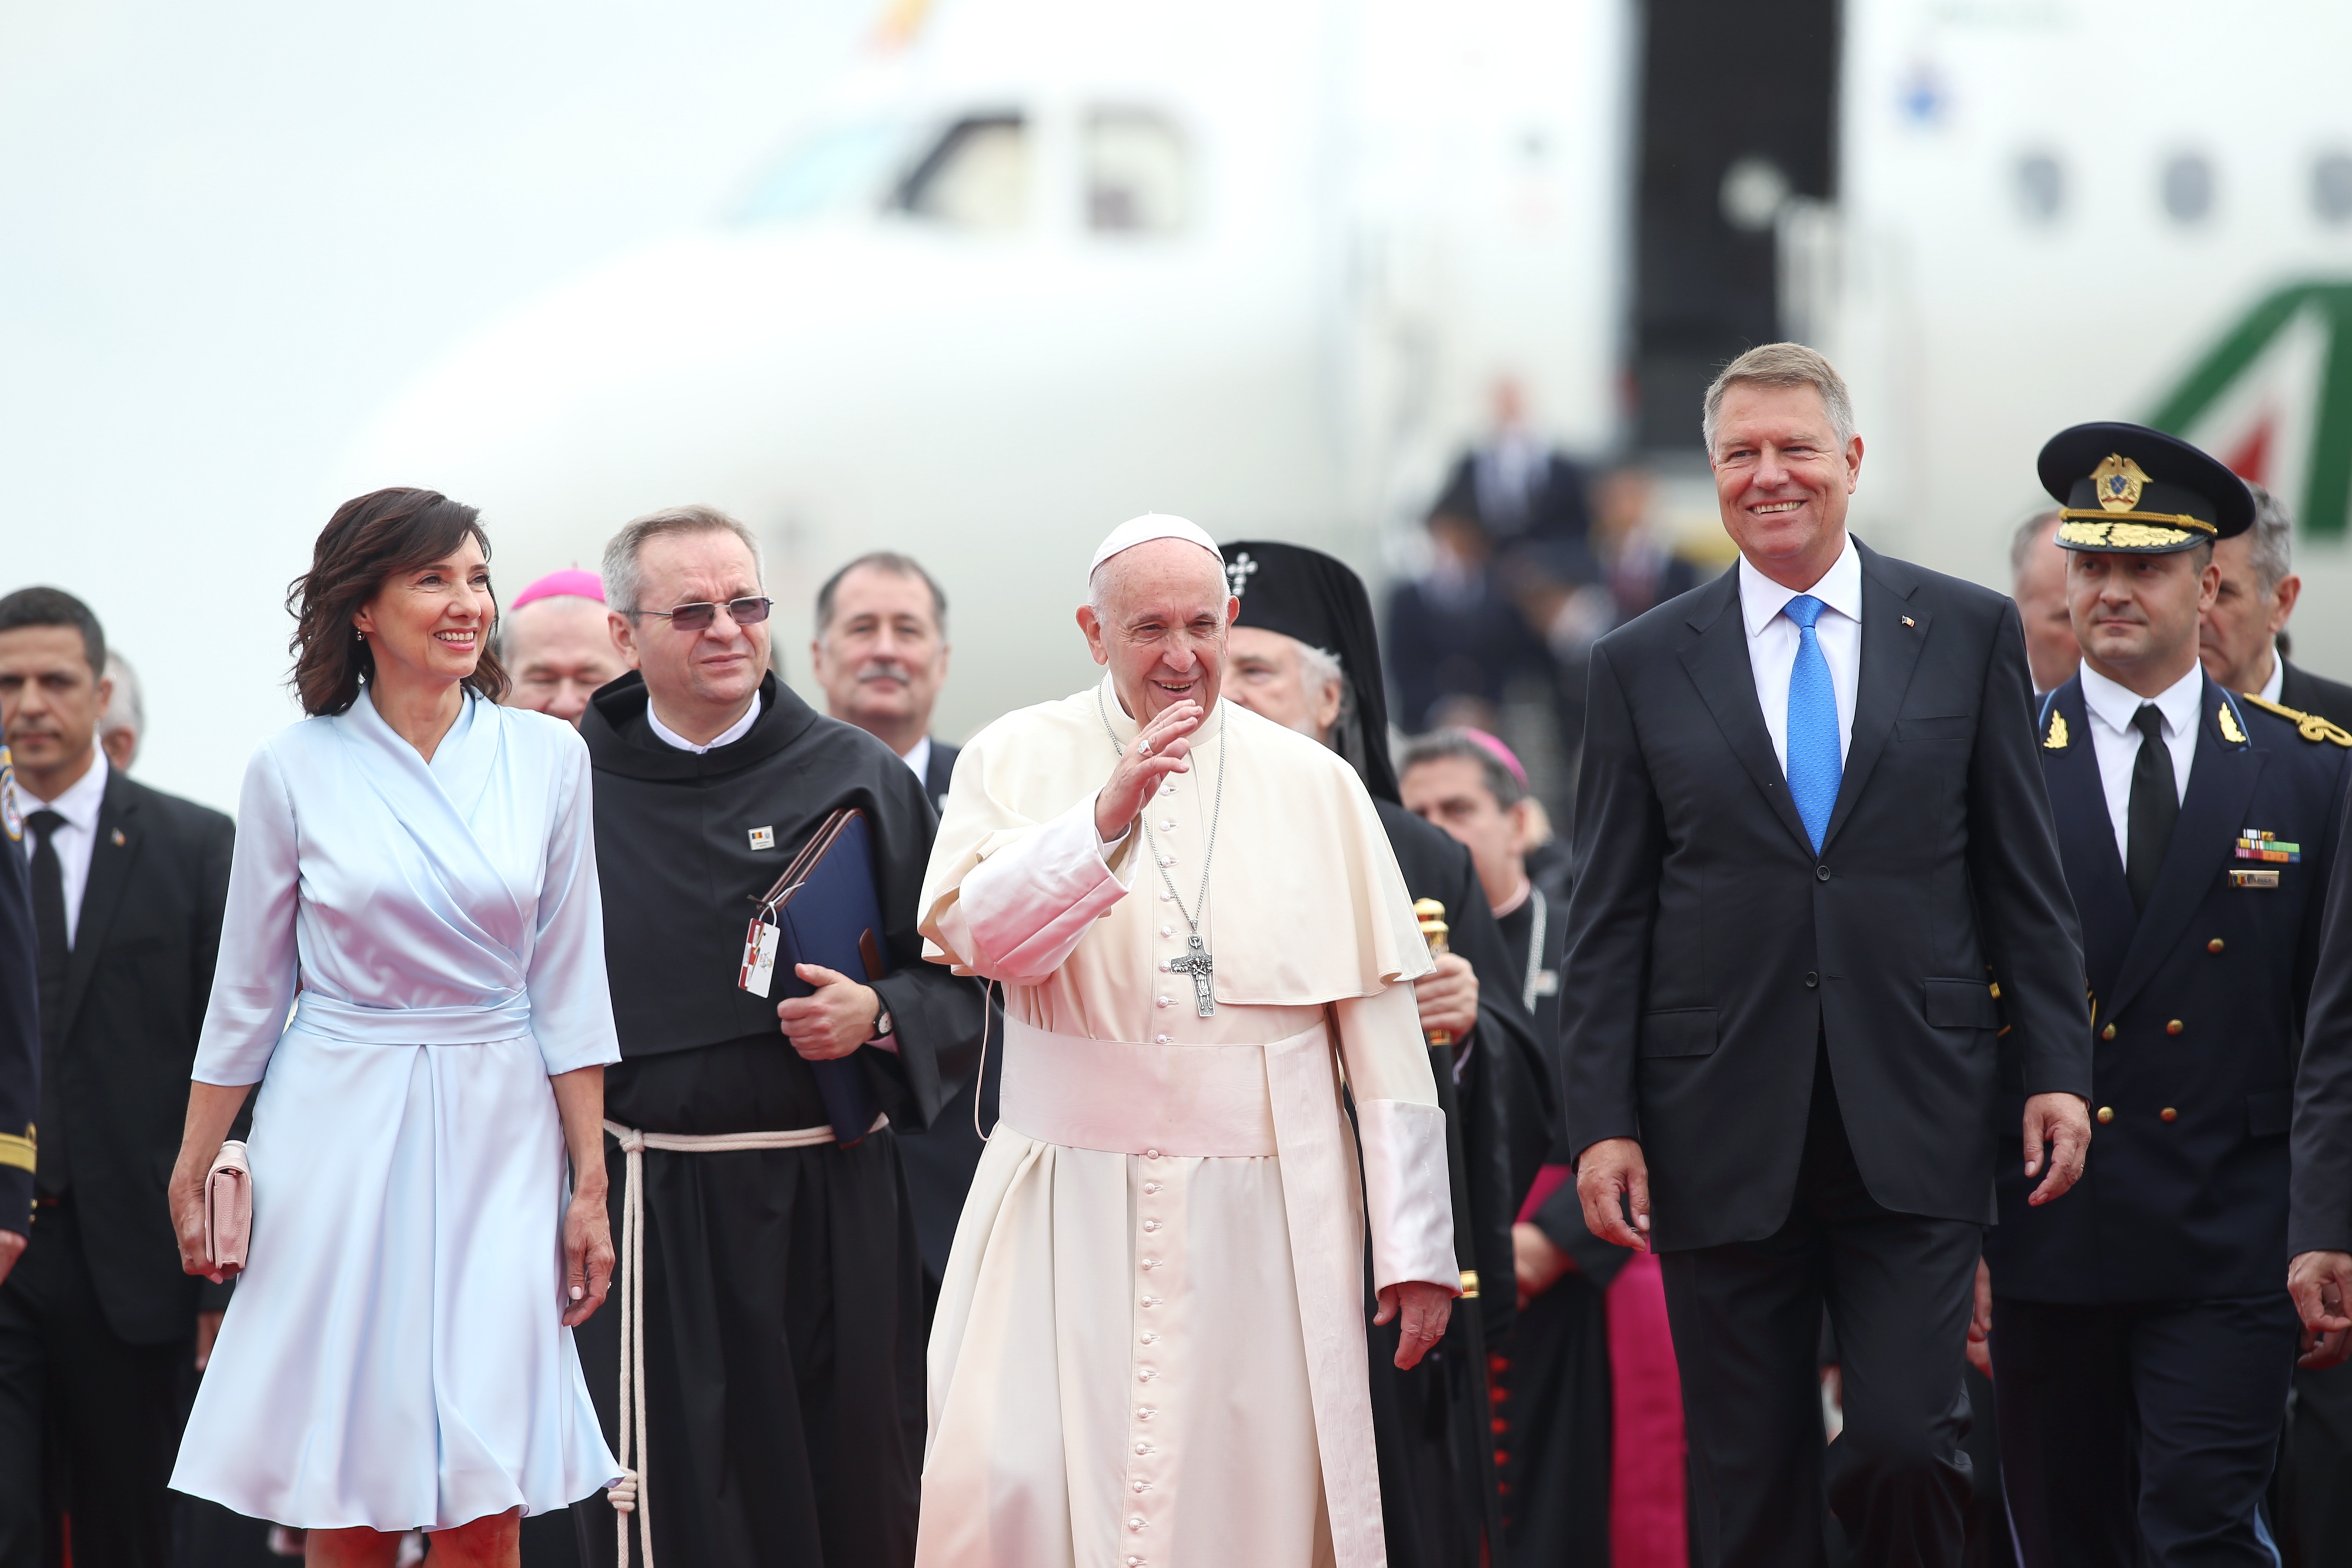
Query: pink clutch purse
x,y
228,1207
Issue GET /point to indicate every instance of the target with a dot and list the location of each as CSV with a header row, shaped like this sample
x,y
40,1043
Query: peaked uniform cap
x,y
2129,490
1318,600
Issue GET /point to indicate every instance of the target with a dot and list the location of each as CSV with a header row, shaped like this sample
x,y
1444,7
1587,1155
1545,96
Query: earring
x,y
358,635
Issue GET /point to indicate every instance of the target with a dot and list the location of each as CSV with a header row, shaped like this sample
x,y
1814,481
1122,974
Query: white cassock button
x,y
1151,1225
1163,1001
1168,931
1135,1563
1150,1300
1141,1449
1152,1187
1167,859
1145,1412
1143,1486
1150,1338
1168,789
1164,966
1166,826
1167,898
1151,1153
1151,1262
1136,1524
1159,1039
1146,1375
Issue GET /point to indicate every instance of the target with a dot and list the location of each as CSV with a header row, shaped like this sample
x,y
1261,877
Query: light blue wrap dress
x,y
394,1355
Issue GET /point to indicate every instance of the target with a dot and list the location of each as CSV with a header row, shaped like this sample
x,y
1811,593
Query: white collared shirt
x,y
2277,681
1773,640
2116,744
78,839
733,732
918,757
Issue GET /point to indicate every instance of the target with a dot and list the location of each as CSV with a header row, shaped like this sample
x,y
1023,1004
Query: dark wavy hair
x,y
366,542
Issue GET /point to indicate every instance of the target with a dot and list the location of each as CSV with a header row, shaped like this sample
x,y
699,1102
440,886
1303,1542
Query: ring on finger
x,y
1144,747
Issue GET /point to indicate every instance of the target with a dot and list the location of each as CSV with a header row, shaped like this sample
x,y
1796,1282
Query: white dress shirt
x,y
79,805
733,732
919,759
2277,682
2116,744
1773,640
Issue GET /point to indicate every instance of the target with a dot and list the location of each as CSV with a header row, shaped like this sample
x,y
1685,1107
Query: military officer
x,y
2142,1337
20,1034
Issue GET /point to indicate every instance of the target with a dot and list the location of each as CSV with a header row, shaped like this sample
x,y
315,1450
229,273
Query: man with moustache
x,y
2237,637
2037,570
555,639
2141,1339
1150,1347
777,1364
98,1326
1303,652
1808,819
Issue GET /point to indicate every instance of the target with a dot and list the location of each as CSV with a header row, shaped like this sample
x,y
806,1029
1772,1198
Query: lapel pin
x,y
764,837
118,838
1909,621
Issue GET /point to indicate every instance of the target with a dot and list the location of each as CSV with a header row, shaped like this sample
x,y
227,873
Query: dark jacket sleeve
x,y
934,1014
1561,1218
20,1040
1620,847
2319,1216
2031,936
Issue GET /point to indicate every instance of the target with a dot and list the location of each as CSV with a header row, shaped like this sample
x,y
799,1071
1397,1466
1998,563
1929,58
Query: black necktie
x,y
2155,806
49,930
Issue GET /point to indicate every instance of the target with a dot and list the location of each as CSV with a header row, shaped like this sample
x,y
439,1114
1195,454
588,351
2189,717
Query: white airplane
x,y
1036,265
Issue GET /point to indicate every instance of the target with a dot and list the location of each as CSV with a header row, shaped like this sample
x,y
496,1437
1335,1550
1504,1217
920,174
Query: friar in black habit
x,y
782,1325
1301,612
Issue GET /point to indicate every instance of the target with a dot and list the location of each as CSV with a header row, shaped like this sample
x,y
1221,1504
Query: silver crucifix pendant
x,y
1200,965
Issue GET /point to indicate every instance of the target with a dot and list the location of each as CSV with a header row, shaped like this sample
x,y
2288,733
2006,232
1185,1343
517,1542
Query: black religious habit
x,y
783,1299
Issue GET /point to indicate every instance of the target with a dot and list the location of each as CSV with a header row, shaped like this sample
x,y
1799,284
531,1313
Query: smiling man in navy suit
x,y
2142,1336
1808,818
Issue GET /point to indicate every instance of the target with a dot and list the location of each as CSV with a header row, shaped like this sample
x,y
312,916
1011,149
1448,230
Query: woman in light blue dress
x,y
416,880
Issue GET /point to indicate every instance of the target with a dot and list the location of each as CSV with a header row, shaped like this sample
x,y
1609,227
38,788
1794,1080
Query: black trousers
x,y
89,1423
1746,1321
2315,1465
2141,1436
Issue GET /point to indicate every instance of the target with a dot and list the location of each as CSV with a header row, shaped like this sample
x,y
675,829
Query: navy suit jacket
x,y
1711,948
2197,1009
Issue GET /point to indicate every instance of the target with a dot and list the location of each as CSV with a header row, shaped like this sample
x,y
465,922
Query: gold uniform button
x,y
2106,1113
2172,1027
2167,1114
2214,945
2108,1032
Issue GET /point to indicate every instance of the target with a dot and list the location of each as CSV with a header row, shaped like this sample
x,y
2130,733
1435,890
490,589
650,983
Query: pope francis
x,y
1149,1347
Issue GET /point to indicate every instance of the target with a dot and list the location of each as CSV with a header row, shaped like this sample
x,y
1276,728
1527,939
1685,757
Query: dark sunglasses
x,y
699,617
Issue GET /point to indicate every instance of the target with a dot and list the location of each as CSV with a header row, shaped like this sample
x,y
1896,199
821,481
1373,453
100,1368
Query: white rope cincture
x,y
630,1494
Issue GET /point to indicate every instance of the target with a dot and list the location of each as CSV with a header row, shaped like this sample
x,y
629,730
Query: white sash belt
x,y
1109,1095
629,1495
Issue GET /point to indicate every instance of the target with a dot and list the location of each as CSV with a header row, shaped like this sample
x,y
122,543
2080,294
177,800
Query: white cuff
x,y
1024,909
1406,1193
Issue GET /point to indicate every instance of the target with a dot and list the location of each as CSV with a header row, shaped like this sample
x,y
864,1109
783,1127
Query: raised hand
x,y
1157,749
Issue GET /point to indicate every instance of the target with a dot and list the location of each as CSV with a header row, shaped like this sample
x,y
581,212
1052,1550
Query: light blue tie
x,y
1814,766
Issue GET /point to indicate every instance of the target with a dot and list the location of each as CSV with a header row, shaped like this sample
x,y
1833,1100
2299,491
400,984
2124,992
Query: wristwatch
x,y
881,1024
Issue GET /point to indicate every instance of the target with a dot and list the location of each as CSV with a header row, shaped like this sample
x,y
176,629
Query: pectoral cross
x,y
1200,965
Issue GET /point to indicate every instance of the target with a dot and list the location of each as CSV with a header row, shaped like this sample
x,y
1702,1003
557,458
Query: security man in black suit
x,y
881,654
2142,1338
1809,815
98,1326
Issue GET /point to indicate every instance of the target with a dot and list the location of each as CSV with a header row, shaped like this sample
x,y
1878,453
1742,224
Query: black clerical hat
x,y
2130,490
1307,595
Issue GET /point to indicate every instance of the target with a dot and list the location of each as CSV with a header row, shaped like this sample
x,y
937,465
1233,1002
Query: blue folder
x,y
827,912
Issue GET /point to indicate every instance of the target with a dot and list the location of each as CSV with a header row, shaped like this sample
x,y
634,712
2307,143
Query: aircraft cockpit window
x,y
1139,173
835,169
2331,187
976,177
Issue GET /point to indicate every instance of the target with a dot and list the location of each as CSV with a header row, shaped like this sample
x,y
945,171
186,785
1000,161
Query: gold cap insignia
x,y
2056,739
2229,730
2120,481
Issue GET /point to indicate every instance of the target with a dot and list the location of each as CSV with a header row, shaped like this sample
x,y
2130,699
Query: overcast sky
x,y
229,234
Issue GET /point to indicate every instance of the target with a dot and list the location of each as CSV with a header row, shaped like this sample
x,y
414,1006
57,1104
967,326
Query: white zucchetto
x,y
1147,528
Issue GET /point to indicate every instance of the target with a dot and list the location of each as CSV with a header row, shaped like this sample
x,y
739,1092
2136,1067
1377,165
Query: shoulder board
x,y
2052,723
2309,725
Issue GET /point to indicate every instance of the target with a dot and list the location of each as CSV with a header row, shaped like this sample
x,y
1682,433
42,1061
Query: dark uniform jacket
x,y
2307,693
20,1029
2197,1019
1711,948
136,986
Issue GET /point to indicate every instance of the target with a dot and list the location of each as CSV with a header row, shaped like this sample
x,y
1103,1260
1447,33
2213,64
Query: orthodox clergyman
x,y
1148,1350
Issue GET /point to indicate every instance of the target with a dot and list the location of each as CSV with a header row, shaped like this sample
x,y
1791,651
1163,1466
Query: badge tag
x,y
764,837
2253,879
759,958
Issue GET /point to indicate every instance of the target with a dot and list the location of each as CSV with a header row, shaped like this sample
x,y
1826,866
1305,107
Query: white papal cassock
x,y
1149,1344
